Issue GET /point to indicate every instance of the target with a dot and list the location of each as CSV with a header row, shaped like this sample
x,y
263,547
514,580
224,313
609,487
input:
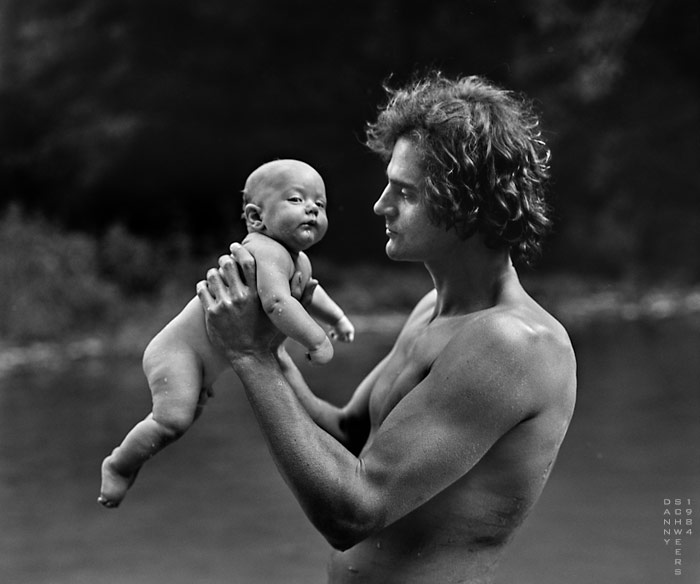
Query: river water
x,y
212,509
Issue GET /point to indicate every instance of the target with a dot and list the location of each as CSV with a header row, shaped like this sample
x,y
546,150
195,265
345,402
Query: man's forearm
x,y
321,472
324,414
330,483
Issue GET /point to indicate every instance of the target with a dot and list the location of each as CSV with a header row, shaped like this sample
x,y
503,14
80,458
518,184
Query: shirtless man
x,y
427,472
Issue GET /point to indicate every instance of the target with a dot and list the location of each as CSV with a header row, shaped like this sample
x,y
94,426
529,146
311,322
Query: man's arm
x,y
434,435
349,425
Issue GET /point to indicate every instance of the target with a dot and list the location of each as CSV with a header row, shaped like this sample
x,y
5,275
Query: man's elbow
x,y
342,545
343,537
345,529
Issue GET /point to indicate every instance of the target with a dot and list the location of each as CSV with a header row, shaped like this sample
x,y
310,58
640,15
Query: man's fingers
x,y
203,294
309,292
303,295
246,263
295,286
215,283
229,272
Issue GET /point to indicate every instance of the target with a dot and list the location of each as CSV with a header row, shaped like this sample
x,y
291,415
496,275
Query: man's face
x,y
295,213
412,237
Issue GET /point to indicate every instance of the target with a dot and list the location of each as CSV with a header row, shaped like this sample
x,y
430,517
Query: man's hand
x,y
236,323
303,295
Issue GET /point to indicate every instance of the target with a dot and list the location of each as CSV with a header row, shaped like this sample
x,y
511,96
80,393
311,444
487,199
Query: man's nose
x,y
382,206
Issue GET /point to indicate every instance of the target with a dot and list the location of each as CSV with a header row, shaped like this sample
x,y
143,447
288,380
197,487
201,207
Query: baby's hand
x,y
343,330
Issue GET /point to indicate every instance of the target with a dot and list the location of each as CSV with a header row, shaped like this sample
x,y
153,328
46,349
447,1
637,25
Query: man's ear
x,y
253,217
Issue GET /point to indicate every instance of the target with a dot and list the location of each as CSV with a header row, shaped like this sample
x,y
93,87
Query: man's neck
x,y
470,279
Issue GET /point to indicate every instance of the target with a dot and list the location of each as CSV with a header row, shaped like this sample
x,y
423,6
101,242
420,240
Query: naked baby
x,y
284,205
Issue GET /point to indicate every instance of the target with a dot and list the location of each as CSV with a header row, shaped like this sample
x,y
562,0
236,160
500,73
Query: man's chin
x,y
393,254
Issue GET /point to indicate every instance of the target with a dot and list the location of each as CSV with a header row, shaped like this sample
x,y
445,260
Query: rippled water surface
x,y
212,508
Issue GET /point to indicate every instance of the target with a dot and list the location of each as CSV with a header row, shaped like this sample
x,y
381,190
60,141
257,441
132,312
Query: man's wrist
x,y
245,361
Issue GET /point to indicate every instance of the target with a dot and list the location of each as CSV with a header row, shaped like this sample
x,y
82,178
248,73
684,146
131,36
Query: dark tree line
x,y
151,114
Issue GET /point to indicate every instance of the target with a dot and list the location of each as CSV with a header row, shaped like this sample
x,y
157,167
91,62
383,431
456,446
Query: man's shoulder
x,y
425,305
514,341
517,327
530,333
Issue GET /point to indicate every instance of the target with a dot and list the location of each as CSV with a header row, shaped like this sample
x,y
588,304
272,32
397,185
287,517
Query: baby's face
x,y
295,212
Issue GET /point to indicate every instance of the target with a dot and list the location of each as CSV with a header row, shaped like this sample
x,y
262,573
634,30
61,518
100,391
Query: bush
x,y
56,283
364,288
129,262
49,280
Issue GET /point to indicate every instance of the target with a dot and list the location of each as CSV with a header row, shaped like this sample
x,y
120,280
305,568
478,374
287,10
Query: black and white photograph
x,y
374,292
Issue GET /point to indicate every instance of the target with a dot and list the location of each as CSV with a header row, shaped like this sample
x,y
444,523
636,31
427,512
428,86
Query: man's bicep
x,y
434,436
355,419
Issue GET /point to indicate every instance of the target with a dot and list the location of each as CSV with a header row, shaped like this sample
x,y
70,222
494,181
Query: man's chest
x,y
409,363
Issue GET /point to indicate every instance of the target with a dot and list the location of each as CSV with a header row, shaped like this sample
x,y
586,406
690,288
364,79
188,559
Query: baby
x,y
284,205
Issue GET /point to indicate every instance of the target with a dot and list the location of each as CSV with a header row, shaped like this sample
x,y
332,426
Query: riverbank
x,y
70,296
575,304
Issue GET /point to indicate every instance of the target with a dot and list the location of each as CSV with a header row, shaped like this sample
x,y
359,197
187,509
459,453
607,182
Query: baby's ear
x,y
253,217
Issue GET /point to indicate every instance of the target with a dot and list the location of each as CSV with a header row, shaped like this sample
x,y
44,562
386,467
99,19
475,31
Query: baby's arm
x,y
274,269
327,311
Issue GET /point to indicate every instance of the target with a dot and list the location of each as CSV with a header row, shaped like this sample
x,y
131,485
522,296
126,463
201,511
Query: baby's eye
x,y
294,199
321,204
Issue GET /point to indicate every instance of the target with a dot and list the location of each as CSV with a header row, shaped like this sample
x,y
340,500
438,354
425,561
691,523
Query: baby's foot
x,y
114,485
322,354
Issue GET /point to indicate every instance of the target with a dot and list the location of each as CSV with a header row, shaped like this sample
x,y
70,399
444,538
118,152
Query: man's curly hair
x,y
485,163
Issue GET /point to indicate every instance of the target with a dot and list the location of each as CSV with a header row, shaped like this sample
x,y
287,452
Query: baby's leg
x,y
176,388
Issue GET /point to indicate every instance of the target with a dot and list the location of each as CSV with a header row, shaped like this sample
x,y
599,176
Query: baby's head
x,y
286,200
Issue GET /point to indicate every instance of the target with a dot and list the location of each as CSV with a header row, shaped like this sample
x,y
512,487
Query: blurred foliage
x,y
49,280
137,265
371,289
118,290
55,282
150,115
